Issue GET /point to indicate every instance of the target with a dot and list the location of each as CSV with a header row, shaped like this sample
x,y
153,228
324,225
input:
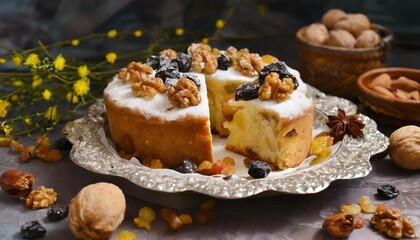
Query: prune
x,y
58,213
184,61
223,62
32,229
281,69
259,169
247,91
388,191
187,166
157,62
169,70
193,78
63,144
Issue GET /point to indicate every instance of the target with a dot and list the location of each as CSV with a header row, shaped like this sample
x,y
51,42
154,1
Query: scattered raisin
x,y
247,91
223,62
169,70
184,61
32,229
281,69
388,191
193,78
58,213
187,166
258,169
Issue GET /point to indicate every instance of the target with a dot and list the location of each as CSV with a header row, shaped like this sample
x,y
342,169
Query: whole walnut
x,y
316,33
330,18
404,147
96,211
368,39
356,24
341,38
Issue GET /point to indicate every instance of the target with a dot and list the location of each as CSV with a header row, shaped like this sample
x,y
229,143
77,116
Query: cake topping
x,y
244,61
202,54
247,91
342,124
184,93
223,62
133,71
184,61
275,88
193,78
147,85
169,70
170,53
281,69
157,62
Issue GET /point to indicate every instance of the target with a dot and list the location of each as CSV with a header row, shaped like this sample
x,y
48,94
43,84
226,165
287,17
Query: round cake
x,y
167,108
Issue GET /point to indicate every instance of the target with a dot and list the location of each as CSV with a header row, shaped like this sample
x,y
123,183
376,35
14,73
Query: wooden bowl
x,y
334,70
404,111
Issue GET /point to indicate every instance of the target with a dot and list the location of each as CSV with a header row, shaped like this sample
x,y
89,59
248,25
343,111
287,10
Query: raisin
x,y
58,213
223,62
247,91
153,61
184,61
193,78
281,69
388,191
187,166
259,169
157,62
169,70
32,229
62,144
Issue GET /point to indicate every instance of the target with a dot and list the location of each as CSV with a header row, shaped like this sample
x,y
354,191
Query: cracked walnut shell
x,y
404,147
16,183
339,225
96,211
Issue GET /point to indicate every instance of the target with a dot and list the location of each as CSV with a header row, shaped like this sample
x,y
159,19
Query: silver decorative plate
x,y
93,150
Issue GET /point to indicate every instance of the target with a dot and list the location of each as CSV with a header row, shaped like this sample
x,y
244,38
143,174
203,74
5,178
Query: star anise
x,y
342,124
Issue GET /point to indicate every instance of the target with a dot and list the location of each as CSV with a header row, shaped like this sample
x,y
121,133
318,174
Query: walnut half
x,y
275,88
391,222
184,93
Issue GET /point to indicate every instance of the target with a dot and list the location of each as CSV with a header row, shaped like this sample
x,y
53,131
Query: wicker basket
x,y
335,70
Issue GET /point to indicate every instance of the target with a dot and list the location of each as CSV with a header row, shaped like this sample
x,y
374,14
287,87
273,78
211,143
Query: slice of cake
x,y
273,122
224,72
161,114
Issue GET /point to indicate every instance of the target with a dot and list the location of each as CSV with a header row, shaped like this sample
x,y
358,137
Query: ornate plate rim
x,y
352,160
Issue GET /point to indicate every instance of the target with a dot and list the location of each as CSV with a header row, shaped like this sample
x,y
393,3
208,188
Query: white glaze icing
x,y
231,75
292,107
120,92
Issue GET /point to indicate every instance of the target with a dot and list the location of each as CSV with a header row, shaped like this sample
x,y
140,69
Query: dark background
x,y
264,26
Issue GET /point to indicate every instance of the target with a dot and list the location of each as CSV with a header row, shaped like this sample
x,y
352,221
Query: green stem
x,y
42,46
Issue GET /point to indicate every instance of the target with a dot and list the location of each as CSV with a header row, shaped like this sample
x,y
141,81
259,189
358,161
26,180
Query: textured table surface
x,y
261,217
